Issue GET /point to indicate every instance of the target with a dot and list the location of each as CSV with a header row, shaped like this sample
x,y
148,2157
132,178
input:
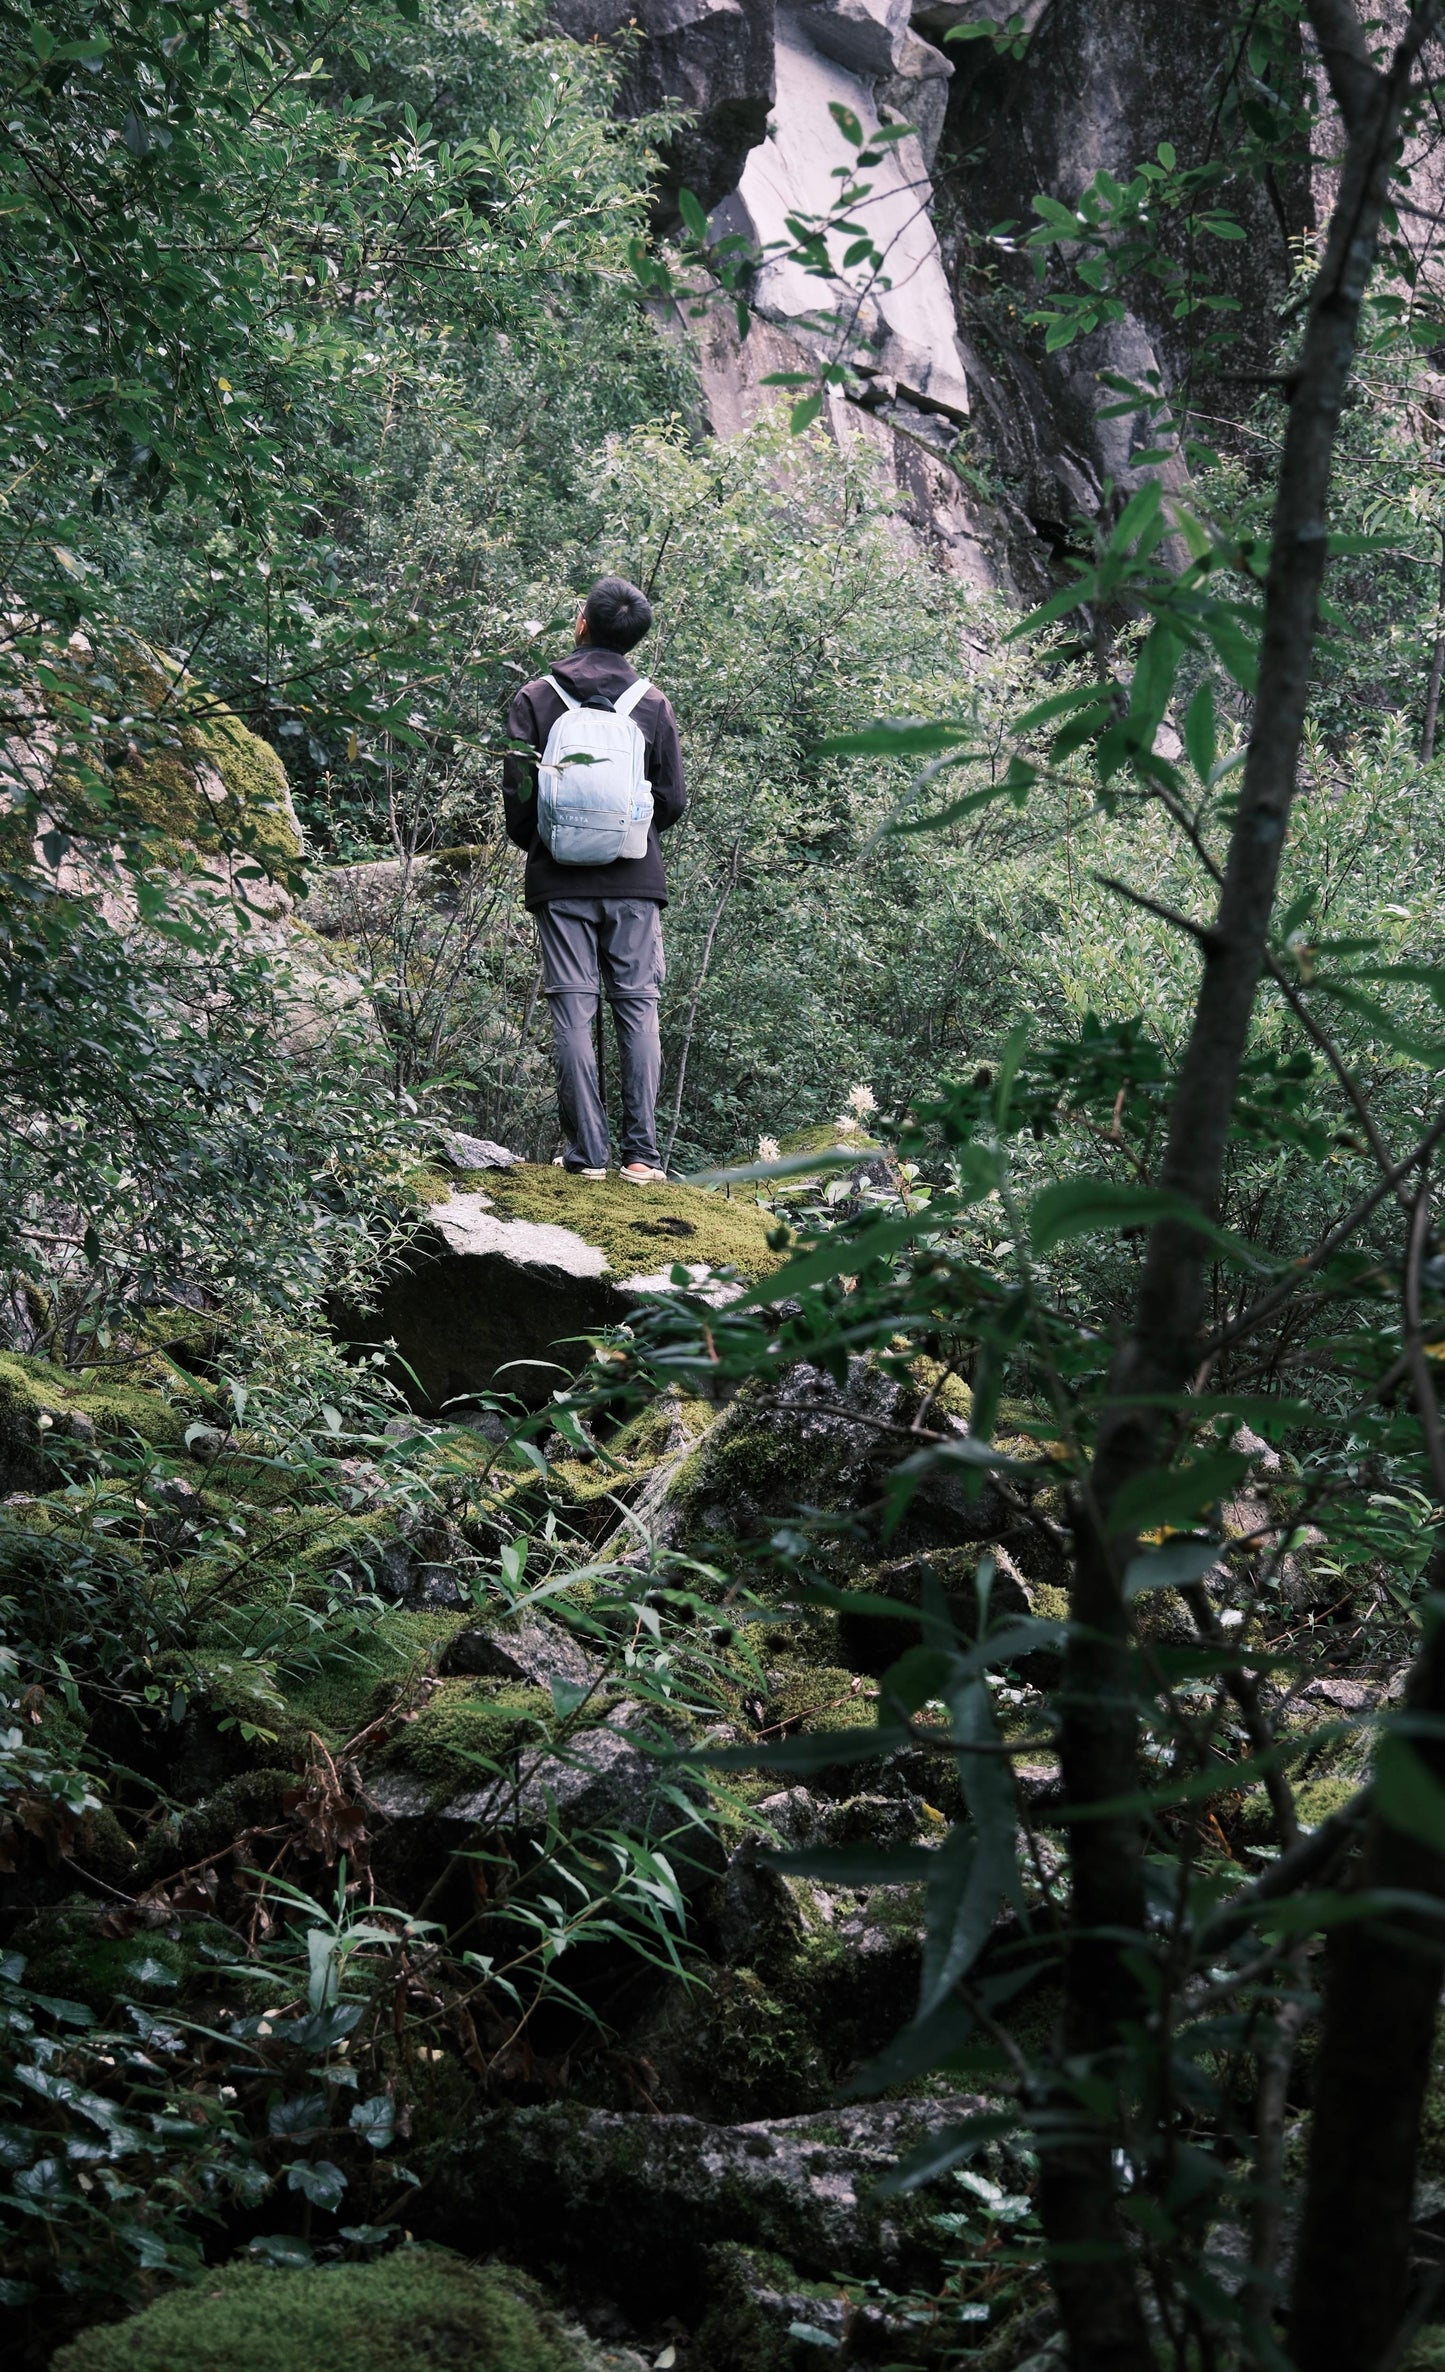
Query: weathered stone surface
x,y
600,1777
476,1153
866,36
1100,88
530,1649
715,57
792,174
988,546
814,1443
496,1291
647,2197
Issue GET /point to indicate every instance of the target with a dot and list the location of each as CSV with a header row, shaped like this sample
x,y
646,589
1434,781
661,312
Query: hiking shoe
x,y
583,1173
642,1173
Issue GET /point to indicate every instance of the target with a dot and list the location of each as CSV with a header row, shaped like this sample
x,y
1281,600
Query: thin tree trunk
x,y
1091,2268
1382,1993
1437,666
731,883
1382,1989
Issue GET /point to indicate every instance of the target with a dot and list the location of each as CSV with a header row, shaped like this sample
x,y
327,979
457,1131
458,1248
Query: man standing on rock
x,y
594,876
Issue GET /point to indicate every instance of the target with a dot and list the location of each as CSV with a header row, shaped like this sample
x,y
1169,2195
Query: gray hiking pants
x,y
589,943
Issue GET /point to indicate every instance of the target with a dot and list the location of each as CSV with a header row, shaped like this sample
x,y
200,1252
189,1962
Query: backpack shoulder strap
x,y
562,693
625,702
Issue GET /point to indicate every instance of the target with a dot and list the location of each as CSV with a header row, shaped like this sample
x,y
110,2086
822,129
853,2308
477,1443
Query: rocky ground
x,y
439,1680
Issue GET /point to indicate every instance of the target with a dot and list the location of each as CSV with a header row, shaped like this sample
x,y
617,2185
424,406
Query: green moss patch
x,y
468,1723
408,2313
642,1229
191,773
38,1399
68,1953
352,1680
198,775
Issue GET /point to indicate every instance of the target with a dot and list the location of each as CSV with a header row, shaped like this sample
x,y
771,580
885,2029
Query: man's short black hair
x,y
618,614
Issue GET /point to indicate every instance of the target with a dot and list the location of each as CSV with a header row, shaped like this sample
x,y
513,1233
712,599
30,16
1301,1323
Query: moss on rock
x,y
39,1399
192,773
520,1267
407,2313
467,1724
1314,1801
642,1229
68,1954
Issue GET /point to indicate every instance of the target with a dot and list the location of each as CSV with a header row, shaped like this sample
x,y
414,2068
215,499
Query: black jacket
x,y
534,711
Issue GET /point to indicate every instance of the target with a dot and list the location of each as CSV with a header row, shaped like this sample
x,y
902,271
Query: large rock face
x,y
649,2197
899,321
934,337
713,57
1098,89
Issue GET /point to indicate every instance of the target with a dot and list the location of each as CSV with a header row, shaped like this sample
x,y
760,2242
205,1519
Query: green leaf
x,y
297,2120
1059,704
281,2250
920,2047
846,1253
374,2120
901,737
1238,650
847,123
804,414
1058,605
857,1865
690,209
318,2180
947,2148
954,813
1153,682
1100,1206
814,1750
1137,514
1177,1495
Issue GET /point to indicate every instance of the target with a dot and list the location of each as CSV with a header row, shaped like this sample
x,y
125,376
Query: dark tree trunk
x,y
1092,2272
1382,1989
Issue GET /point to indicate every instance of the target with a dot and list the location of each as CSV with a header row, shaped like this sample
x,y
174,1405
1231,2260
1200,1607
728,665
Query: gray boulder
x,y
599,1778
638,2202
529,1648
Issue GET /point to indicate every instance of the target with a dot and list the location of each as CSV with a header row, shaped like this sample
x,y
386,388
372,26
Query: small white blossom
x,y
846,1125
861,1100
768,1149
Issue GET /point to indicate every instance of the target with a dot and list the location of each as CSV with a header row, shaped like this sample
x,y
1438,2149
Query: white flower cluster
x,y
857,1104
768,1149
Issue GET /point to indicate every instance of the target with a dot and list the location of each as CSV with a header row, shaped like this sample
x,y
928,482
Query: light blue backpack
x,y
594,803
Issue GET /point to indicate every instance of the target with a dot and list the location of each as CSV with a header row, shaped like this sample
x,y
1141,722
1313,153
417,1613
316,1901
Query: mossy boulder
x,y
70,1953
810,1442
49,1416
406,2313
182,767
630,2205
516,1268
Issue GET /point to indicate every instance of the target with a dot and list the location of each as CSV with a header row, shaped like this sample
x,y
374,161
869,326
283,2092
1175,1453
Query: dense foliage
x,y
1075,1485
